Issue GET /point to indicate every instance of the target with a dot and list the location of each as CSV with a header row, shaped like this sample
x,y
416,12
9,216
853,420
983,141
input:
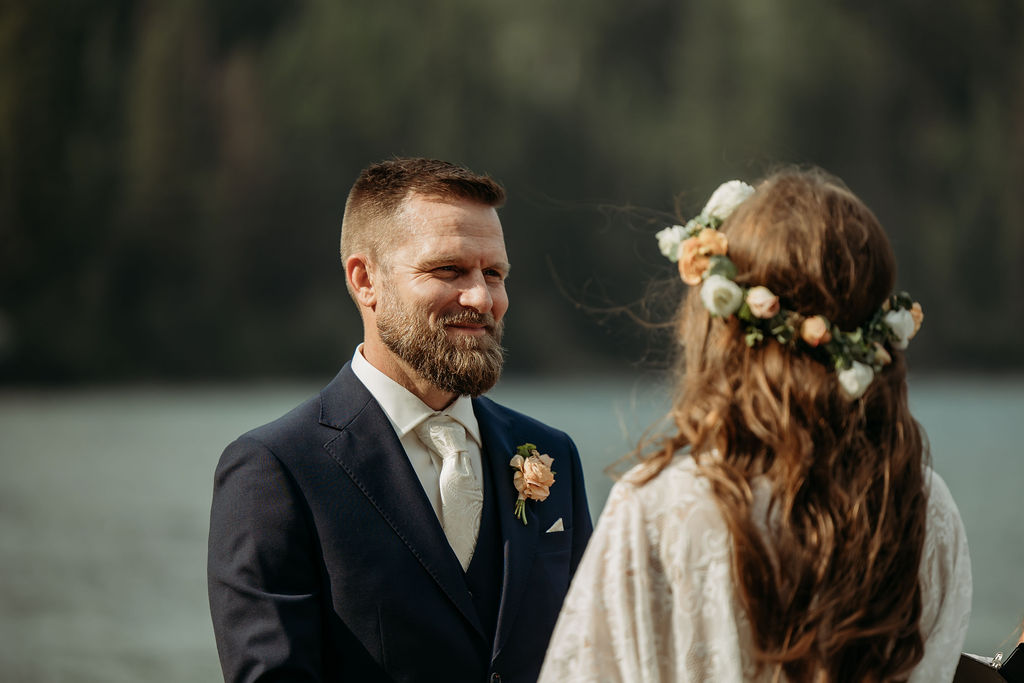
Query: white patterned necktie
x,y
462,497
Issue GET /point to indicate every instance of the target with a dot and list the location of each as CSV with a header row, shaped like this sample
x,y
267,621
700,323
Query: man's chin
x,y
470,339
474,389
475,366
458,331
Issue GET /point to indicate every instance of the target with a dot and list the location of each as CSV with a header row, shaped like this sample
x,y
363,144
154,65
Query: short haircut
x,y
381,189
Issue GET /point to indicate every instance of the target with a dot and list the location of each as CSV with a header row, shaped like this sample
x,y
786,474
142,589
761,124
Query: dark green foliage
x,y
172,175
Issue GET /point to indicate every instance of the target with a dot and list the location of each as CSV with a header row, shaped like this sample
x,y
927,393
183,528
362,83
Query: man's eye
x,y
494,274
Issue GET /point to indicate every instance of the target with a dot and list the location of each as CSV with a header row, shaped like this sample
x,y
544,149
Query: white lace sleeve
x,y
946,586
652,599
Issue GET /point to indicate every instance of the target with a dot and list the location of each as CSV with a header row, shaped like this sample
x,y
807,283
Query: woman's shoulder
x,y
946,583
944,524
646,479
939,495
676,496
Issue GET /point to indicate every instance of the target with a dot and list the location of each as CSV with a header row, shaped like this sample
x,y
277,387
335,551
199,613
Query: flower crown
x,y
700,250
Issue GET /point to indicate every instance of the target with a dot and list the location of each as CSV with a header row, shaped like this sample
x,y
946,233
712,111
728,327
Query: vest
x,y
484,575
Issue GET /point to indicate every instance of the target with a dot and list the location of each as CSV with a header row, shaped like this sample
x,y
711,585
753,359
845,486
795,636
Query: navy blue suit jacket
x,y
328,563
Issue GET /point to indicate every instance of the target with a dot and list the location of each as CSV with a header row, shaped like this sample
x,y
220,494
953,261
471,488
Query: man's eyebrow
x,y
438,260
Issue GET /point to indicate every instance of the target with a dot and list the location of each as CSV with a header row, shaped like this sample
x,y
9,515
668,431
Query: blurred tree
x,y
61,71
172,176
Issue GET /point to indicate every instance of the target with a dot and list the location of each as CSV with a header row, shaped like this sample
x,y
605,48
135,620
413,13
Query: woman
x,y
790,529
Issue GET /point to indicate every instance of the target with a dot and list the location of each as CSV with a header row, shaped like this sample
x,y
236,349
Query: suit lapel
x,y
369,452
520,541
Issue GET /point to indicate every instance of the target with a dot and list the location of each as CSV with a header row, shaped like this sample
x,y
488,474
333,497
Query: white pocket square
x,y
557,526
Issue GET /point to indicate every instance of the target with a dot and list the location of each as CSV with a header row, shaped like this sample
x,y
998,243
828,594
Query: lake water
x,y
105,494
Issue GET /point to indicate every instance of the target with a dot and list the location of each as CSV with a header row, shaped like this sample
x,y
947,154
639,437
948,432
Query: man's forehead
x,y
417,203
425,216
414,196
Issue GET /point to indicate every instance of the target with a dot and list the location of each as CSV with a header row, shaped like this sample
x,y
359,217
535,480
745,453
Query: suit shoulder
x,y
295,420
284,445
270,443
332,406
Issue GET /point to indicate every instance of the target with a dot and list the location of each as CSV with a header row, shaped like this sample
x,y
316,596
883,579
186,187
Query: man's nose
x,y
477,295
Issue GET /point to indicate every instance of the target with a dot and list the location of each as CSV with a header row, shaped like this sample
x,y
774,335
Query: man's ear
x,y
362,278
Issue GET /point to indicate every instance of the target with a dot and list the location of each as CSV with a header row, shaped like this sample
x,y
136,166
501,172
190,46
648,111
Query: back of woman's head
x,y
811,241
832,591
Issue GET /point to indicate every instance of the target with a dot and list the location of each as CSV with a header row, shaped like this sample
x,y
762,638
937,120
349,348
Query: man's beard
x,y
467,364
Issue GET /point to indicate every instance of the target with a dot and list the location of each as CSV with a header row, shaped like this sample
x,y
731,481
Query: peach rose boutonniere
x,y
533,477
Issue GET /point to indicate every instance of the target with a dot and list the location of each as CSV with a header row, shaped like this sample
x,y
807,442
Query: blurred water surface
x,y
105,495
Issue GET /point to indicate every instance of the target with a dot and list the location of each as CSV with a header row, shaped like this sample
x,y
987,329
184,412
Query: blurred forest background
x,y
173,174
172,180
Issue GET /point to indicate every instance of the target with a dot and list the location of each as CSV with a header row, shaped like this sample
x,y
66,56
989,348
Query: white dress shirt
x,y
405,411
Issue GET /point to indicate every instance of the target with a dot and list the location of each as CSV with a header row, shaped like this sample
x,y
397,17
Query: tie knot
x,y
442,434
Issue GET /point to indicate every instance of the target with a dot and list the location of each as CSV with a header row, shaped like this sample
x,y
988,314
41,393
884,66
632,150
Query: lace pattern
x,y
653,598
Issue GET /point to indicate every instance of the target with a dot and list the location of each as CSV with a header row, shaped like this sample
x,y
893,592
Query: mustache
x,y
468,317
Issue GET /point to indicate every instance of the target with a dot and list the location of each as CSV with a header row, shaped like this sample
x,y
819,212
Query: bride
x,y
790,528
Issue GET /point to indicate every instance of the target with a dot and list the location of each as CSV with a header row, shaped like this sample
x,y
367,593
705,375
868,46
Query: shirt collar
x,y
403,408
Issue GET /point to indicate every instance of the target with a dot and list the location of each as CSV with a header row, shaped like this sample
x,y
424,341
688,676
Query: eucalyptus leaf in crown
x,y
701,253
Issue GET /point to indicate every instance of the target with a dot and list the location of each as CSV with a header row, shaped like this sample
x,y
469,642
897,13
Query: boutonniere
x,y
533,477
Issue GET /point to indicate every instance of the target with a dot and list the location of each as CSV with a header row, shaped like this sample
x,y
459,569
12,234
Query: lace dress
x,y
653,597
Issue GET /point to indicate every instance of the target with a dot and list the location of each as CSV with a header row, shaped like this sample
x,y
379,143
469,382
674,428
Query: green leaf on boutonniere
x,y
526,450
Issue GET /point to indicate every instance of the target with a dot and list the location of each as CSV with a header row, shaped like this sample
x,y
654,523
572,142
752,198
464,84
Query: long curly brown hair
x,y
832,590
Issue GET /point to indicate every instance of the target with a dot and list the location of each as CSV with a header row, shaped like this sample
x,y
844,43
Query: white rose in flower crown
x,y
669,240
854,380
721,295
901,322
726,198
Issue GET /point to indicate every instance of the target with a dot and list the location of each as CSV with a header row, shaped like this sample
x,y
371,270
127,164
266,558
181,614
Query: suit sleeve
x,y
583,526
262,577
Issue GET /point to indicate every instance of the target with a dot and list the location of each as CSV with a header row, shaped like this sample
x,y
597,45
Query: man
x,y
375,532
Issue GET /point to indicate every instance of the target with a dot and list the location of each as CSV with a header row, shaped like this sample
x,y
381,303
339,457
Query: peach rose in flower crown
x,y
814,331
762,303
917,313
882,356
695,254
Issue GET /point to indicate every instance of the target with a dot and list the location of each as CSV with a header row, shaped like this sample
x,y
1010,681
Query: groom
x,y
371,534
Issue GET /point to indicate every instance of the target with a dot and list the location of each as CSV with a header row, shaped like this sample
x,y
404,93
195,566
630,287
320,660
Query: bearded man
x,y
377,532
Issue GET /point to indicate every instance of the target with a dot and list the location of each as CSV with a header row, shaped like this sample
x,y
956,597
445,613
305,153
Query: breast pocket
x,y
552,562
555,542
